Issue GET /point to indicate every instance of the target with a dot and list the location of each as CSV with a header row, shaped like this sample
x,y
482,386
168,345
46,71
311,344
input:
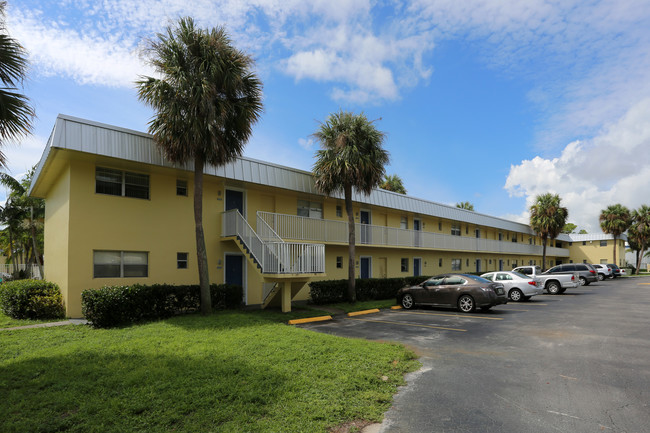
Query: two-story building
x,y
118,213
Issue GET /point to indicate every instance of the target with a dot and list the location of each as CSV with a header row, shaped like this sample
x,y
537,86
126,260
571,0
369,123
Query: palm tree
x,y
547,219
206,103
352,157
15,112
638,235
614,220
393,183
465,205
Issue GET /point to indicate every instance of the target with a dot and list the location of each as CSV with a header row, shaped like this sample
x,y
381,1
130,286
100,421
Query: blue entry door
x,y
235,269
417,239
365,227
365,267
235,200
417,267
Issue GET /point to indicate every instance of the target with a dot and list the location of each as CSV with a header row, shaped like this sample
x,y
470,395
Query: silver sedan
x,y
519,287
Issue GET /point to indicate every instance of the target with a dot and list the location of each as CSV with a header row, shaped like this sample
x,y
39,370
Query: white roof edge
x,y
378,197
575,237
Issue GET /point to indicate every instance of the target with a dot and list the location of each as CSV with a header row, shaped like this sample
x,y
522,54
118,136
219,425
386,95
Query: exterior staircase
x,y
285,266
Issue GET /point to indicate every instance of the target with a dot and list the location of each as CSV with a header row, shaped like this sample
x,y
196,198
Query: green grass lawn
x,y
8,322
230,372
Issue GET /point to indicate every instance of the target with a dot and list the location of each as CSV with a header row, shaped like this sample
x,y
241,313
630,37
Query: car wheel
x,y
466,304
601,277
515,295
583,281
407,301
553,288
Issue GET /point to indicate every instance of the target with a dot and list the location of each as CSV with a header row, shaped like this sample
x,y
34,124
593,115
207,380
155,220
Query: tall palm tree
x,y
465,205
547,219
206,103
614,220
393,183
352,157
638,235
15,112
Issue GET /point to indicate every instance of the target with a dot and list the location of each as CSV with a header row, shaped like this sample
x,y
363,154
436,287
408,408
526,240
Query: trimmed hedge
x,y
31,299
122,305
368,289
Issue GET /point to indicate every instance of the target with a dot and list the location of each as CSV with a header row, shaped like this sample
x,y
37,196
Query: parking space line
x,y
516,309
449,315
408,324
528,304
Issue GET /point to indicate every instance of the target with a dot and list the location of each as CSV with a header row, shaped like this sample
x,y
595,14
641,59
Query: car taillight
x,y
592,271
573,277
532,283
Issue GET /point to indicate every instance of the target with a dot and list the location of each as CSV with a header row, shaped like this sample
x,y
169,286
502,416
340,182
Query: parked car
x,y
604,271
616,271
553,283
518,287
586,273
462,291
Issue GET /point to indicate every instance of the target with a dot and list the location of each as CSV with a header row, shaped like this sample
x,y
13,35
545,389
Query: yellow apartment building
x,y
594,248
117,213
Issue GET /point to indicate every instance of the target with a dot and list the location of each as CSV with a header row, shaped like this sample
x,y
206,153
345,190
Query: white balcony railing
x,y
318,230
270,252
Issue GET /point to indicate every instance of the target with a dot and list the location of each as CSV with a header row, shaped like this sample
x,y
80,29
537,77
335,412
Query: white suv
x,y
603,271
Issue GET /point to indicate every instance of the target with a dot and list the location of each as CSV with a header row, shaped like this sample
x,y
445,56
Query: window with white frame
x,y
456,264
404,223
405,265
181,187
455,229
603,243
181,260
339,262
121,183
310,209
120,264
339,211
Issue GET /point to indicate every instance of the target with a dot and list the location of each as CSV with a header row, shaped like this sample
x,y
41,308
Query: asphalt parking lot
x,y
577,362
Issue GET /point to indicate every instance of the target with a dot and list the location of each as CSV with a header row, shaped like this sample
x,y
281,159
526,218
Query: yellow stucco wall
x,y
593,252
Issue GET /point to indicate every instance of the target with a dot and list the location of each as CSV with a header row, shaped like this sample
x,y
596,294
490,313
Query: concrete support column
x,y
285,289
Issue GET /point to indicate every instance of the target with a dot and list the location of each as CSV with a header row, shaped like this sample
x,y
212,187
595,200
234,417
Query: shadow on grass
x,y
98,392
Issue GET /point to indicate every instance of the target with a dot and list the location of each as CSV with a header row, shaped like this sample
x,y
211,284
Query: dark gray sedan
x,y
463,291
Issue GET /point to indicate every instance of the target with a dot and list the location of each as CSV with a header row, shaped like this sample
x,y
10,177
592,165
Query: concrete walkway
x,y
49,324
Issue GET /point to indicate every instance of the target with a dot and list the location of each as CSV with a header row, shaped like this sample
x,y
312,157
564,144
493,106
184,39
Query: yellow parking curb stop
x,y
359,313
396,307
309,319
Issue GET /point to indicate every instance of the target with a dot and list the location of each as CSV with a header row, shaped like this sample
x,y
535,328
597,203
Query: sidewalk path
x,y
49,324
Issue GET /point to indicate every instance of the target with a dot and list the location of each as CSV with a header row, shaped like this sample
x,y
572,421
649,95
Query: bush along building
x,y
118,213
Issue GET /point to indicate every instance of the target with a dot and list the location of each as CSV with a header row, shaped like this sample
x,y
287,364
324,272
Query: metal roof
x,y
82,135
574,237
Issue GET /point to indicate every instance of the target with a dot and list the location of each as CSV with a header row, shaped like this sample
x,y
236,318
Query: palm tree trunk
x,y
615,250
201,253
543,253
11,250
352,292
37,255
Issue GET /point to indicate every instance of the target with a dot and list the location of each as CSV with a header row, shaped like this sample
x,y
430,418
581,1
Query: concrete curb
x,y
309,319
359,313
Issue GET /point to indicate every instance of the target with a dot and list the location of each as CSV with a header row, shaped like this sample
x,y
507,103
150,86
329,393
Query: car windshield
x,y
476,278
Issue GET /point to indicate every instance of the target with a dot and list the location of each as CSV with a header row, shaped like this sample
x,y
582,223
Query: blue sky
x,y
486,101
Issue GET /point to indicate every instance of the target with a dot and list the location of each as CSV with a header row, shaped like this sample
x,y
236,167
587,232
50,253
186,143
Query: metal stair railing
x,y
274,256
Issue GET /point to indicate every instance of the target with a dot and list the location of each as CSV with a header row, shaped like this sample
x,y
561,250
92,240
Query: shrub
x,y
31,299
122,305
368,289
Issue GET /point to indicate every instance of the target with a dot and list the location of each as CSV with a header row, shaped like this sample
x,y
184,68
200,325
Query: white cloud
x,y
307,143
589,175
88,58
